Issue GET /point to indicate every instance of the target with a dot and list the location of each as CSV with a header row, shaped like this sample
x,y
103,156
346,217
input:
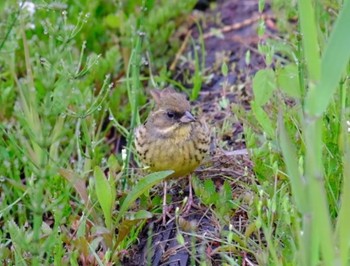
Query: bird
x,y
172,138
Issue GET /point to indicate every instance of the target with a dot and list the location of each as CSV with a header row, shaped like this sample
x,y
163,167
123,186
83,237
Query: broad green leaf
x,y
263,119
141,187
113,164
334,61
211,196
288,80
104,195
142,214
139,215
263,85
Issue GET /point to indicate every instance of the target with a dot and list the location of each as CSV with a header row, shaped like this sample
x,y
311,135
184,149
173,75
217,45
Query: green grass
x,y
65,82
72,80
311,136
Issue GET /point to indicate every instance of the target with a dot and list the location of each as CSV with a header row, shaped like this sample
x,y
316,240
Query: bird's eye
x,y
170,114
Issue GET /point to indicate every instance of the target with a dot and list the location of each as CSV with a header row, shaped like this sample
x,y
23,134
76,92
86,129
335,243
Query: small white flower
x,y
31,26
123,154
29,6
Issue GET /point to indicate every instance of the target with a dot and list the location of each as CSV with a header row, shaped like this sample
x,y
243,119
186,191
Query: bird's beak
x,y
187,118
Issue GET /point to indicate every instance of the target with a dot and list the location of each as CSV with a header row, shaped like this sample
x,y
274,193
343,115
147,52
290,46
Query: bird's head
x,y
172,112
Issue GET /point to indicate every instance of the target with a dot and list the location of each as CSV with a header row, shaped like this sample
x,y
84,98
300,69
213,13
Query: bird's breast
x,y
182,152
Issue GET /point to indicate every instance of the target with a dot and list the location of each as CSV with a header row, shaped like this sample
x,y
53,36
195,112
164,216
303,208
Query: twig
x,y
181,50
235,26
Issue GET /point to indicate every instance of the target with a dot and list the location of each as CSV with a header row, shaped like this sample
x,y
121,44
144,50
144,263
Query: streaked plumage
x,y
171,138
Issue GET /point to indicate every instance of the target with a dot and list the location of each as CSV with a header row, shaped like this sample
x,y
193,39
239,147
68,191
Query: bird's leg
x,y
189,203
165,209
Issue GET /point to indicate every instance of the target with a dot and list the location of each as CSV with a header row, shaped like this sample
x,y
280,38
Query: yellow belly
x,y
183,158
182,153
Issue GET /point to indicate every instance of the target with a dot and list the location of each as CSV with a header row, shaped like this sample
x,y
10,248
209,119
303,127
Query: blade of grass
x,y
197,76
342,227
320,217
334,61
12,24
133,90
291,159
309,32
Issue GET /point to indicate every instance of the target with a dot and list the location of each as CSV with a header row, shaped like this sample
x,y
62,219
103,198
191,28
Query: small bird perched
x,y
172,138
